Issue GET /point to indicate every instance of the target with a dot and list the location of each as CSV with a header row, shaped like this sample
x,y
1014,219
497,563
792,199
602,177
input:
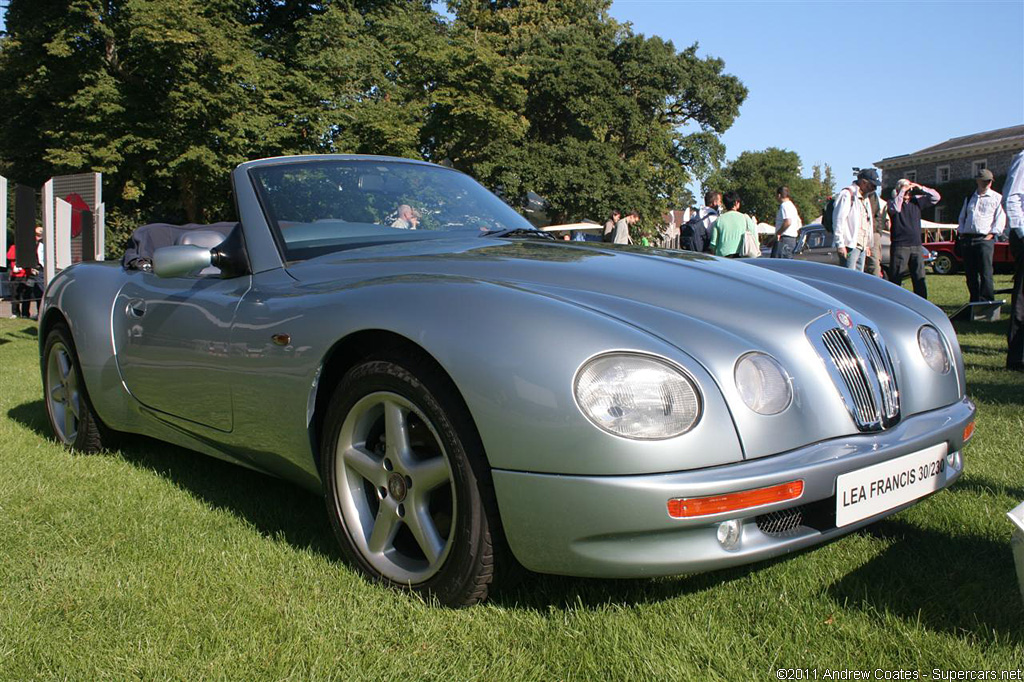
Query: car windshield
x,y
318,207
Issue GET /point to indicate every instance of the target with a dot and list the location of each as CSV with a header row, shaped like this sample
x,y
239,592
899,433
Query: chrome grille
x,y
862,371
881,366
844,355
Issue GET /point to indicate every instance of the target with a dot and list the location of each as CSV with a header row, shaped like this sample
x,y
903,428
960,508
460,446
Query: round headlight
x,y
637,397
933,349
763,384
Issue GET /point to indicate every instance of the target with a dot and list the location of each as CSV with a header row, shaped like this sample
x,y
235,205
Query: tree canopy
x,y
756,175
166,96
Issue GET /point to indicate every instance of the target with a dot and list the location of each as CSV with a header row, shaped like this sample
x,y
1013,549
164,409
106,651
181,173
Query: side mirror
x,y
179,261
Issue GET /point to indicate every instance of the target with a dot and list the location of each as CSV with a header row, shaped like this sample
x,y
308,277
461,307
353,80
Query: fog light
x,y
729,534
954,461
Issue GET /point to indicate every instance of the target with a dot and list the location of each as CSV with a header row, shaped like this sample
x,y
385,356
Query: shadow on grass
x,y
274,507
979,484
1008,392
948,584
542,593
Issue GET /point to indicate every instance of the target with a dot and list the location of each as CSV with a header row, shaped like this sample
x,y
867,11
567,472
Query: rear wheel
x,y
72,419
943,264
406,482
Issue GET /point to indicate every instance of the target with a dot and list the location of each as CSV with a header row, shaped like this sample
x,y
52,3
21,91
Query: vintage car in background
x,y
946,261
814,243
469,394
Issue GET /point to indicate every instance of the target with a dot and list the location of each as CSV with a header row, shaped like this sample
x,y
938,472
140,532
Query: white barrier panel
x,y
48,232
99,225
62,240
3,219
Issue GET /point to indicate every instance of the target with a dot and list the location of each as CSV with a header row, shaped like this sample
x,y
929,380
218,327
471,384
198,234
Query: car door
x,y
172,339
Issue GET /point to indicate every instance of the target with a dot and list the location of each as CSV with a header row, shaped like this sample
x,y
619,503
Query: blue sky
x,y
850,83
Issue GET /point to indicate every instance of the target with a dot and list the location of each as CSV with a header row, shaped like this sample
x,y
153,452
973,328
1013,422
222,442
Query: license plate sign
x,y
880,487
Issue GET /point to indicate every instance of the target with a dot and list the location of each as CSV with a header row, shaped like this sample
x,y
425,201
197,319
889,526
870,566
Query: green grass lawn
x,y
158,563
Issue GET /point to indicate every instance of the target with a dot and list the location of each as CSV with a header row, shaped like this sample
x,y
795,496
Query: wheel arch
x,y
50,319
362,345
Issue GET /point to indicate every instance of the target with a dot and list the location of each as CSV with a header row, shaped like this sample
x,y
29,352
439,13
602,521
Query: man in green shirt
x,y
728,231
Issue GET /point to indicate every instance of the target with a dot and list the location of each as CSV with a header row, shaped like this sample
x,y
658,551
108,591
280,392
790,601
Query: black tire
x,y
943,264
421,517
68,408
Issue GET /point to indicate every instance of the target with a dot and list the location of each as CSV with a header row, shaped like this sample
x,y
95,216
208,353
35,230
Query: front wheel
x,y
406,482
943,264
71,415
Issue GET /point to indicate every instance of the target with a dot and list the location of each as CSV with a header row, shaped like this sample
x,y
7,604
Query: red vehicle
x,y
947,261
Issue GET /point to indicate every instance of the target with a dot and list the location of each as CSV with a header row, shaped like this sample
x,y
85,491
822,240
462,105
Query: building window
x,y
938,214
942,174
912,175
978,166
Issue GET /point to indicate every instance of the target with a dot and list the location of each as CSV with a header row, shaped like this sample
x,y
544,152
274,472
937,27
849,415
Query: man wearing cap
x,y
852,220
981,220
908,200
1013,191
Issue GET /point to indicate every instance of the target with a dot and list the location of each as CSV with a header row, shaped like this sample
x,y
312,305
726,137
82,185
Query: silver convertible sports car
x,y
470,395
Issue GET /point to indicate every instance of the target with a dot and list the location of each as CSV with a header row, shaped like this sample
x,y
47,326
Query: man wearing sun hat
x,y
981,221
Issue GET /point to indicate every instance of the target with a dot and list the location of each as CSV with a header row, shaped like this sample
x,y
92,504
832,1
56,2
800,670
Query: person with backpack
x,y
696,234
852,220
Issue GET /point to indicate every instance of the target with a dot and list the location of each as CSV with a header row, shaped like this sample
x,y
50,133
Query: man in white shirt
x,y
981,221
1013,193
852,221
787,225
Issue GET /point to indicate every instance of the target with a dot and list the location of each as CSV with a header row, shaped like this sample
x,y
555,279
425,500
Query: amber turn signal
x,y
689,507
968,431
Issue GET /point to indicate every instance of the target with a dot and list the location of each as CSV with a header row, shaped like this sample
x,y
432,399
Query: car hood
x,y
729,294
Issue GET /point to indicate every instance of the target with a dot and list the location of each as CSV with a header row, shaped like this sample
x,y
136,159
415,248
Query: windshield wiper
x,y
518,232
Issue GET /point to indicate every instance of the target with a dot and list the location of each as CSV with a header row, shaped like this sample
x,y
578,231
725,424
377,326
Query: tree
x,y
615,119
163,97
757,175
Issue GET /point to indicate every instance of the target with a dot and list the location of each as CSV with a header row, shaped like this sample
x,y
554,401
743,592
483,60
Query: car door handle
x,y
136,308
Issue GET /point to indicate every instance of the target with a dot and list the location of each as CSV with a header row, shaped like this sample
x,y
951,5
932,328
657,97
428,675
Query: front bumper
x,y
619,527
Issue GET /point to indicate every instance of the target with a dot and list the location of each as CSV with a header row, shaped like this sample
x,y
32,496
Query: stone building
x,y
951,165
